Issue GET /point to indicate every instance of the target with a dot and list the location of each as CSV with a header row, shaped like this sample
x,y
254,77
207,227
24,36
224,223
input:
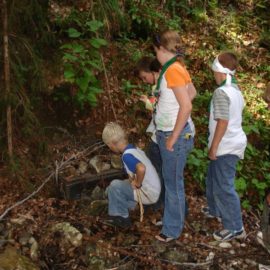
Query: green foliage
x,y
127,86
148,17
82,61
197,165
198,10
145,17
197,162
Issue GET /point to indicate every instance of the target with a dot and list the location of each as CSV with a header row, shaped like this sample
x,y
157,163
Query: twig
x,y
28,197
108,86
208,246
189,227
138,192
56,172
256,217
61,166
192,265
105,73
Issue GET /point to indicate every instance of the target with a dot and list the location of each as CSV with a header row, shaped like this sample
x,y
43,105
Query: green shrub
x,y
82,62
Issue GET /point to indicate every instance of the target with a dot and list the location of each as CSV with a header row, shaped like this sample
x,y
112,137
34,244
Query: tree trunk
x,y
7,77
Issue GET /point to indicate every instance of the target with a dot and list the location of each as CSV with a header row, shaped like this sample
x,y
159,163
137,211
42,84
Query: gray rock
x,y
116,162
97,163
225,245
264,267
250,262
82,167
71,234
97,194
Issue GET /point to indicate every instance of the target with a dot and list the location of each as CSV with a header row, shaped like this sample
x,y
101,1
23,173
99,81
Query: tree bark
x,y
7,77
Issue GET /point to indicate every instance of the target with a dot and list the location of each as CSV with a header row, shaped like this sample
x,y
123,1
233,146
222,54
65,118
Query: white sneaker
x,y
227,235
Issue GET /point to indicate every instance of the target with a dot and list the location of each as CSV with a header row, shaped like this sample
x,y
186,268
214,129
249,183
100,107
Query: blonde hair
x,y
113,133
171,41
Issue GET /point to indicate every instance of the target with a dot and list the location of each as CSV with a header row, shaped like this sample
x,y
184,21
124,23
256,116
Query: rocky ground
x,y
52,233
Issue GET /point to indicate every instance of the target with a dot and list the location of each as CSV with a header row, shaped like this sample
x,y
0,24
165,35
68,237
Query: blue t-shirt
x,y
130,161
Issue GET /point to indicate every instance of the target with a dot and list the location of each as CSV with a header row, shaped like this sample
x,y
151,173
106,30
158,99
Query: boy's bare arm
x,y
221,128
140,173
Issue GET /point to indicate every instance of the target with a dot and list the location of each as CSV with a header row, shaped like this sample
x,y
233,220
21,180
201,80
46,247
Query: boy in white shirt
x,y
143,178
227,143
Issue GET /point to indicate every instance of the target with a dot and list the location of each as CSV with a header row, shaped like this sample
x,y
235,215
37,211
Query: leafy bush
x,y
82,61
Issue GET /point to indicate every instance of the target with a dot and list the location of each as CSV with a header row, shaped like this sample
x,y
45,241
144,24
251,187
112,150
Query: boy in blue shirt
x,y
143,178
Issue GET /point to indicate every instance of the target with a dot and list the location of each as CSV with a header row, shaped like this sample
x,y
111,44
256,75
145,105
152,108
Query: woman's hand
x,y
143,98
170,143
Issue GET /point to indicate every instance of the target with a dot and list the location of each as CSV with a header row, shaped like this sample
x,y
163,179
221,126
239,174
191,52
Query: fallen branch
x,y
208,246
191,265
59,167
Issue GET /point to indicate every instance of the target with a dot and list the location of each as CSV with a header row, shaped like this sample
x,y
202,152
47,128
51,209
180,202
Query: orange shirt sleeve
x,y
177,75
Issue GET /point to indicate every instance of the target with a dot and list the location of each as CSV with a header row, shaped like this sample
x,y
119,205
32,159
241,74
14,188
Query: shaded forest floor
x,y
66,234
59,234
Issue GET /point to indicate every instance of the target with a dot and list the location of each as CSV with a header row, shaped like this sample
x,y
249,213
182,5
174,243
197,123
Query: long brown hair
x,y
171,41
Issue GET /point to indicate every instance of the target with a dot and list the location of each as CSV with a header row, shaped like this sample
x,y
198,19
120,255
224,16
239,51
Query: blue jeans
x,y
121,198
222,199
173,164
154,155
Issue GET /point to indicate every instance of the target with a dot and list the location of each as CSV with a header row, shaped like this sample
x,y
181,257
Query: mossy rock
x,y
12,260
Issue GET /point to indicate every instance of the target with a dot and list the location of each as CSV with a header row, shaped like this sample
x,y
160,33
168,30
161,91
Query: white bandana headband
x,y
216,66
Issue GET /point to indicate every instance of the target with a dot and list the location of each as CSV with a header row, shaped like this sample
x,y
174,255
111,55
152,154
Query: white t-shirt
x,y
168,107
151,186
234,140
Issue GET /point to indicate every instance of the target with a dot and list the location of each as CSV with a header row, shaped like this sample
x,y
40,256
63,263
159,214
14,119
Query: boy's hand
x,y
135,185
221,128
212,153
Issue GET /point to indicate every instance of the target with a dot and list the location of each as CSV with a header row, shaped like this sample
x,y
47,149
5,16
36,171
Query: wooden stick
x,y
138,192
